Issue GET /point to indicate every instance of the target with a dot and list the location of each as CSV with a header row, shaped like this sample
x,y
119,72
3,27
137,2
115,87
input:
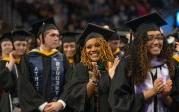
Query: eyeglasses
x,y
155,37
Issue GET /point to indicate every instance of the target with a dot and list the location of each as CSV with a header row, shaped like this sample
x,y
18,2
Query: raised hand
x,y
112,67
94,73
12,56
167,88
11,63
158,86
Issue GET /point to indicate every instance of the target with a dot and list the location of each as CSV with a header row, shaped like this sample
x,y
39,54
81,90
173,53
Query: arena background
x,y
75,14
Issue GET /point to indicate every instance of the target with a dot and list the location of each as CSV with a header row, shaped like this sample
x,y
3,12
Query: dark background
x,y
75,14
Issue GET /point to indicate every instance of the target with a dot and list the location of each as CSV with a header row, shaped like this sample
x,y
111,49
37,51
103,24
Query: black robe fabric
x,y
4,102
8,82
1,91
175,92
30,99
69,69
78,98
68,78
6,79
122,96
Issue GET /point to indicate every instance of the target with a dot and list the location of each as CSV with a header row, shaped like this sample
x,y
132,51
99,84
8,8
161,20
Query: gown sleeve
x,y
78,92
6,79
30,100
66,88
78,98
175,92
122,97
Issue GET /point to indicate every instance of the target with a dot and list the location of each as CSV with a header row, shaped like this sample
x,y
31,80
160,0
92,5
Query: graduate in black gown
x,y
118,42
9,66
174,42
124,35
71,52
92,76
113,42
70,48
6,48
43,72
144,79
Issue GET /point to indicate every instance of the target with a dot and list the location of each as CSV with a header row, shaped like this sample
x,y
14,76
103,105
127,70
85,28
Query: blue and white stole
x,y
57,77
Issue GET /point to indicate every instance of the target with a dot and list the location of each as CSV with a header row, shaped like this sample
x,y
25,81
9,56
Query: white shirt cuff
x,y
41,107
63,103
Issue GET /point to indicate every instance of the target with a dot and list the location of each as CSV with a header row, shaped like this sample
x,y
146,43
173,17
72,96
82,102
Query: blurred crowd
x,y
75,14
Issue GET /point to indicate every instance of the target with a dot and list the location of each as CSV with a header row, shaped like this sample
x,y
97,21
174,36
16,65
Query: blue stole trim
x,y
35,62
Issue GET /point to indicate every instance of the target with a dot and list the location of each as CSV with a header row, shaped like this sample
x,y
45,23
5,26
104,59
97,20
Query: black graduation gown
x,y
122,97
6,79
8,82
68,78
4,102
1,91
69,69
78,98
175,92
30,98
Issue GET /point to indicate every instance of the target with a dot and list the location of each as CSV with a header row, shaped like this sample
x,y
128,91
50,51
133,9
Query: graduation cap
x,y
42,25
122,30
121,34
20,27
6,37
70,36
94,29
147,22
124,39
20,35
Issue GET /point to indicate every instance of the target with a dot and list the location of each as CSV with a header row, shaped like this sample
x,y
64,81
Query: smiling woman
x,y
93,50
144,82
91,79
155,42
96,49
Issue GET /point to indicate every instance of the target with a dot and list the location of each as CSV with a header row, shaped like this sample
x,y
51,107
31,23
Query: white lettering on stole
x,y
36,78
57,78
57,83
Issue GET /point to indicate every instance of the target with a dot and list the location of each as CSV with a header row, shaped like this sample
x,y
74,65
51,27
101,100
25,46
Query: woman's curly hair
x,y
139,60
106,53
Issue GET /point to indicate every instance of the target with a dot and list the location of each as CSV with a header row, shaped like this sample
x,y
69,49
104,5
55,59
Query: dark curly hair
x,y
139,60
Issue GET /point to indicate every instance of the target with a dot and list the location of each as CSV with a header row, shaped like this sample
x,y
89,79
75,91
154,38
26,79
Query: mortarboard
x,y
122,30
121,33
20,35
146,22
6,36
70,36
93,28
41,25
